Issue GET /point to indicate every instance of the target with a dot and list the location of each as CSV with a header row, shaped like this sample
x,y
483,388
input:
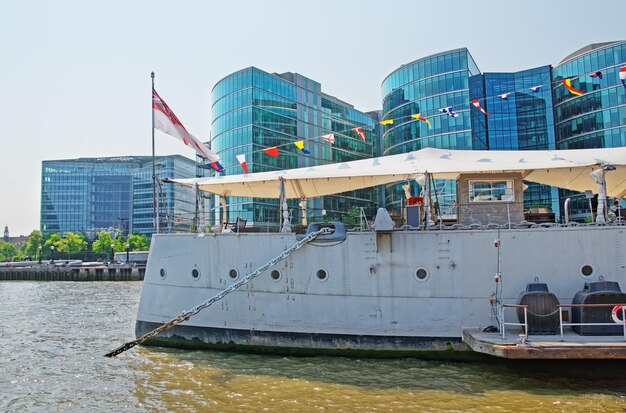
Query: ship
x,y
491,282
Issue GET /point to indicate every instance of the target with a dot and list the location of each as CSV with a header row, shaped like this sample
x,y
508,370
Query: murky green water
x,y
53,337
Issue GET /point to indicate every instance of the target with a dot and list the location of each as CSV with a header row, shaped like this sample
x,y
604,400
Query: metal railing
x,y
562,323
503,324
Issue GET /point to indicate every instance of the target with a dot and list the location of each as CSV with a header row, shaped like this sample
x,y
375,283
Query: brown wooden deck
x,y
573,346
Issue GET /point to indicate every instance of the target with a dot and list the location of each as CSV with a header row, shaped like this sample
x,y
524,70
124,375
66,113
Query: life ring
x,y
617,309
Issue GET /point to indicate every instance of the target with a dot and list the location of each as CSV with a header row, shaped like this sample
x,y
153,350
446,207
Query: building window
x,y
491,191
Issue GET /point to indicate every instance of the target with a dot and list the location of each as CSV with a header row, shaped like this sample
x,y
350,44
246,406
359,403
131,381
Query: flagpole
x,y
155,211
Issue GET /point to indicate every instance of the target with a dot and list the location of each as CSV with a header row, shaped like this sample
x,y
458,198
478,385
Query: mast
x,y
155,210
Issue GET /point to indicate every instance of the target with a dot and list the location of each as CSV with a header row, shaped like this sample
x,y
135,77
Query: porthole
x,y
586,271
233,273
163,273
321,274
275,275
195,273
421,274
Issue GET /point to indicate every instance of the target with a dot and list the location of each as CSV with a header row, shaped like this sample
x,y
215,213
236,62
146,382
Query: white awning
x,y
568,169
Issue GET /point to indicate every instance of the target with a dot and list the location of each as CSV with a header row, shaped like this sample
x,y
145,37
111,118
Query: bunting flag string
x,y
572,90
359,131
476,103
330,138
242,161
423,119
273,151
448,110
300,145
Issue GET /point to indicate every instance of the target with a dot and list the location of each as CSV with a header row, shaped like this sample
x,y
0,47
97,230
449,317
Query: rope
x,y
184,316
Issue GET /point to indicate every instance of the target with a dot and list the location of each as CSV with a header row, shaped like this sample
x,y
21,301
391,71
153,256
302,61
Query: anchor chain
x,y
184,316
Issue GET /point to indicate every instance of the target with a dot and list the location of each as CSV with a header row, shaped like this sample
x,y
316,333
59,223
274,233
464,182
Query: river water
x,y
53,337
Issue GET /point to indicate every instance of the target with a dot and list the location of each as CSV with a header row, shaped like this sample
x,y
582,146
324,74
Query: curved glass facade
x,y
425,86
597,119
253,110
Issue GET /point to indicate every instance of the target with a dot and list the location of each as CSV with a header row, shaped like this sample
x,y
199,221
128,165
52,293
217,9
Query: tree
x,y
102,245
137,242
73,243
52,239
7,250
32,244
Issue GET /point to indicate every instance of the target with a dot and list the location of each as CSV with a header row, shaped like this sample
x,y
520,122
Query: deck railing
x,y
562,323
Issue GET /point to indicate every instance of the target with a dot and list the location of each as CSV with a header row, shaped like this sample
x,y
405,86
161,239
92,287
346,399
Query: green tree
x,y
73,243
7,251
102,245
137,242
32,244
50,240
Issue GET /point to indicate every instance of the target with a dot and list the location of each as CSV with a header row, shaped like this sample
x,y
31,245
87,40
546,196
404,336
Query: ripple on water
x,y
53,337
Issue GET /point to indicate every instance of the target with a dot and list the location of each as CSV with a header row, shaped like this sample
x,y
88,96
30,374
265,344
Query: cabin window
x,y
491,191
275,275
233,273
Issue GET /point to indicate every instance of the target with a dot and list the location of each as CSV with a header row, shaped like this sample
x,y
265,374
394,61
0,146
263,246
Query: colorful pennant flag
x,y
423,119
387,122
217,167
359,131
535,89
476,103
242,161
596,74
622,75
572,90
330,138
166,121
505,96
273,151
448,110
300,145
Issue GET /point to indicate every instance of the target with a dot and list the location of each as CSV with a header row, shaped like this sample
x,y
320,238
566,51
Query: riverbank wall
x,y
44,273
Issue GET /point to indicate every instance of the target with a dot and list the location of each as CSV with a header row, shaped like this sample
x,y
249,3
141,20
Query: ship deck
x,y
571,346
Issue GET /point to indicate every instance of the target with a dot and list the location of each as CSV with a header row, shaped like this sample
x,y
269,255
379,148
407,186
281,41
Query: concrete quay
x,y
53,272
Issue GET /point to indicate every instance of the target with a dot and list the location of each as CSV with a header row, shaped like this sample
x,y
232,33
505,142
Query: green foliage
x,y
137,242
7,251
32,244
50,240
102,245
73,243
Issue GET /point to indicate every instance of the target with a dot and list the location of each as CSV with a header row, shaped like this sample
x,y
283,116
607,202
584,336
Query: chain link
x,y
187,314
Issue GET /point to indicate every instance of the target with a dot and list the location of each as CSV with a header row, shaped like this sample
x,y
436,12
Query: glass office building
x,y
253,110
88,195
423,87
521,118
596,119
529,110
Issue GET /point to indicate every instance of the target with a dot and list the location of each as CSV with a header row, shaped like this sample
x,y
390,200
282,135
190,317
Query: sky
x,y
75,75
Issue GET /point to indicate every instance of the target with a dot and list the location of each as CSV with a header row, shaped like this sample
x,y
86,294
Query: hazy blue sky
x,y
75,75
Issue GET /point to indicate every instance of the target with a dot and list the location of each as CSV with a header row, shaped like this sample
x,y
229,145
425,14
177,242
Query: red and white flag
x,y
330,138
476,103
359,131
242,160
167,122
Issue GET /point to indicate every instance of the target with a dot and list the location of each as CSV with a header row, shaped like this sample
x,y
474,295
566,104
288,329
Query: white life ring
x,y
616,310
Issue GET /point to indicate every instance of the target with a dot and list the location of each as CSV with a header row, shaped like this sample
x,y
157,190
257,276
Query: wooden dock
x,y
518,346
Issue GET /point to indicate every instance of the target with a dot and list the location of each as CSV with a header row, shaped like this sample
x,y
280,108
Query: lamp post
x,y
39,248
112,251
127,253
51,254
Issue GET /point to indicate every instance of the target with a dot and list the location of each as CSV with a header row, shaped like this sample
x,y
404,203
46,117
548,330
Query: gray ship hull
x,y
393,293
